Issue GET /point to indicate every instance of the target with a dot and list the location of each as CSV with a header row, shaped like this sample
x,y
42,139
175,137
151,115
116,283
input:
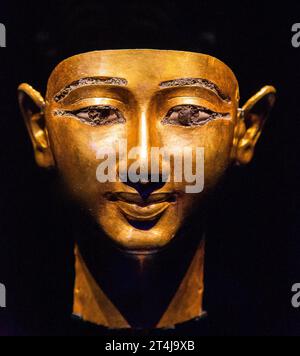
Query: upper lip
x,y
136,199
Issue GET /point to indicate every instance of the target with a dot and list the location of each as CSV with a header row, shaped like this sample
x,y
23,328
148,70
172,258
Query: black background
x,y
253,244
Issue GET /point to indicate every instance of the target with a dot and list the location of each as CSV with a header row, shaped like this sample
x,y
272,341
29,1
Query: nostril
x,y
145,189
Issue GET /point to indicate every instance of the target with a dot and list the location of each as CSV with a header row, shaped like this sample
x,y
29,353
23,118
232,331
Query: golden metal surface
x,y
139,88
91,303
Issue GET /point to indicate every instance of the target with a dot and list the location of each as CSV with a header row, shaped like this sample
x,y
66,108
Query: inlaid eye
x,y
96,115
191,115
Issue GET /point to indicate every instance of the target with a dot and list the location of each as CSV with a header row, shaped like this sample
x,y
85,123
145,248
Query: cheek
x,y
218,146
75,147
216,138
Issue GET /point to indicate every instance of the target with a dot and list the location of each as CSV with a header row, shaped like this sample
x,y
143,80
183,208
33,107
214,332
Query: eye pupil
x,y
93,114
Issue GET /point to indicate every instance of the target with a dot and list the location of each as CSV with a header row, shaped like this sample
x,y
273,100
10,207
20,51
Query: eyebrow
x,y
196,82
83,82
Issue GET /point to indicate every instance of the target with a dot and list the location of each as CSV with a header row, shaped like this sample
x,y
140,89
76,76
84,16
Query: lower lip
x,y
138,213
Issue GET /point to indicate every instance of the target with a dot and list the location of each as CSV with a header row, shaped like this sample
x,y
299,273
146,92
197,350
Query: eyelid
x,y
91,102
195,91
190,100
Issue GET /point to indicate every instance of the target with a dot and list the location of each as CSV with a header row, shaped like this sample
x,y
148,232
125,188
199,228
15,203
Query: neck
x,y
123,290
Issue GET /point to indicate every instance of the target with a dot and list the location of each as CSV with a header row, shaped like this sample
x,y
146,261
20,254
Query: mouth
x,y
136,209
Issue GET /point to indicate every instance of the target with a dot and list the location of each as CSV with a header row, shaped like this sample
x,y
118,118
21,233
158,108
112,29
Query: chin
x,y
139,237
136,241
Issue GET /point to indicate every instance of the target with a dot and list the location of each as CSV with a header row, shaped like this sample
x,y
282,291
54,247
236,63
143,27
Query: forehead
x,y
143,70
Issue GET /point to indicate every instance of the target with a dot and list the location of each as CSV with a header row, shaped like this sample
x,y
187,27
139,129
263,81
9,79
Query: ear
x,y
32,106
251,120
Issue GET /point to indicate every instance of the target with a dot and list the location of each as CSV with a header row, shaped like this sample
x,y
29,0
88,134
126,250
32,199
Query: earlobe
x,y
32,106
251,120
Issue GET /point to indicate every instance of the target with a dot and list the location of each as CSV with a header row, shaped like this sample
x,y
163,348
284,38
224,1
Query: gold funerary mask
x,y
105,116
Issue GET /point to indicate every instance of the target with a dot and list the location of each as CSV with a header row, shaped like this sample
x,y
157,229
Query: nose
x,y
144,138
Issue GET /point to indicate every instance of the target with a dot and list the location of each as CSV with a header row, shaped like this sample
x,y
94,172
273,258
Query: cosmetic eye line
x,y
191,116
83,82
186,115
99,115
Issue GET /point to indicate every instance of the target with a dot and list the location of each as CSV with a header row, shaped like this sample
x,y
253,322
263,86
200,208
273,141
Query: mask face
x,y
141,136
